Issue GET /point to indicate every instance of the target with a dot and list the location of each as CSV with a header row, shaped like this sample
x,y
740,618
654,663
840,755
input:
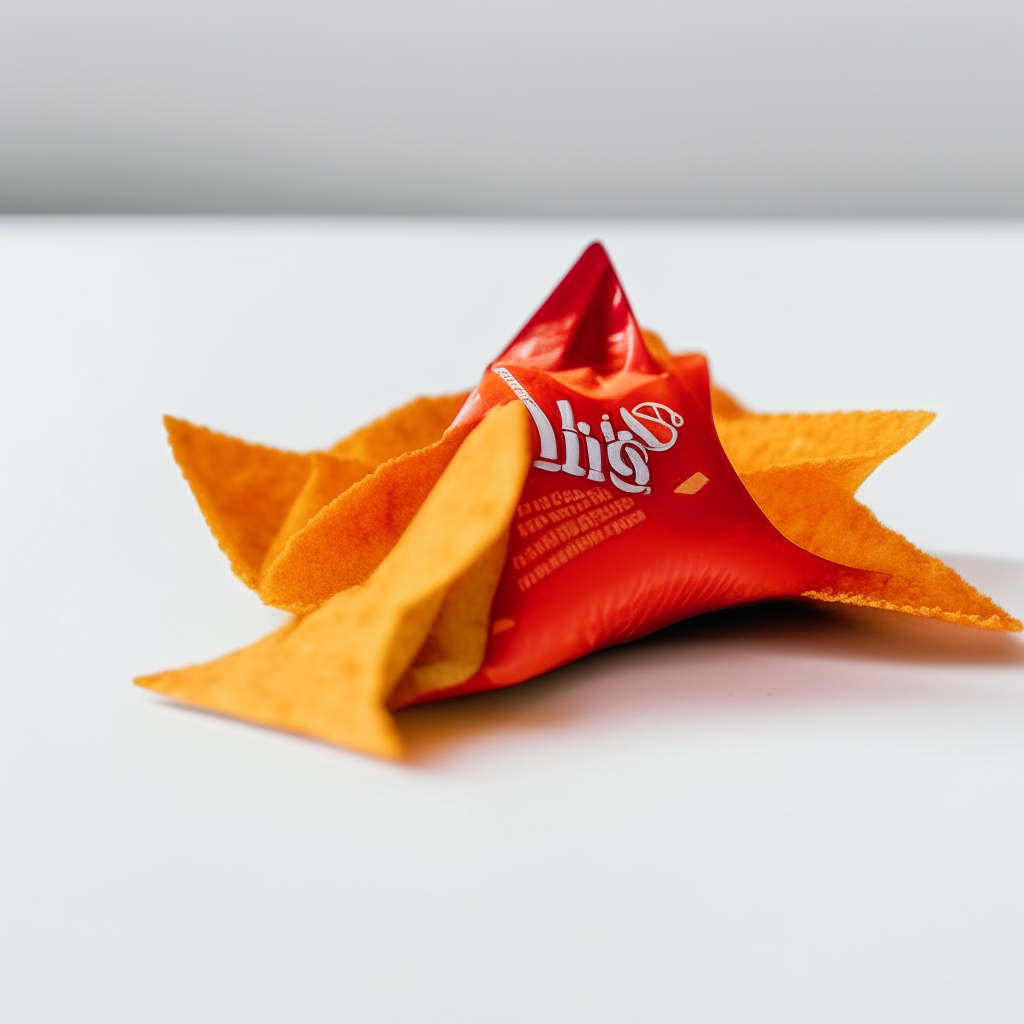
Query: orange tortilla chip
x,y
828,521
244,491
328,477
255,498
348,538
331,674
853,443
803,471
455,647
414,425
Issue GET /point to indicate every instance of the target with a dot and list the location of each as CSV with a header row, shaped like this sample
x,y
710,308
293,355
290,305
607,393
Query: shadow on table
x,y
770,654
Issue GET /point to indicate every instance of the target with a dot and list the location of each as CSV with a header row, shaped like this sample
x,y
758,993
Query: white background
x,y
784,814
567,107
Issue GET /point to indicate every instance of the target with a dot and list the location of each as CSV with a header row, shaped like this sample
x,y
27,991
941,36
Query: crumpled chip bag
x,y
591,489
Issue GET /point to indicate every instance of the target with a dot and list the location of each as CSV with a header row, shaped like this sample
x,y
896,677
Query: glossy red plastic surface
x,y
631,517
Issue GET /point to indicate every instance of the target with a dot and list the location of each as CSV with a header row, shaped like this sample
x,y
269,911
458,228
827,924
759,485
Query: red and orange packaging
x,y
590,490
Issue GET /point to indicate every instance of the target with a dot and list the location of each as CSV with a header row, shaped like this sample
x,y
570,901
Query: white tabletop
x,y
788,813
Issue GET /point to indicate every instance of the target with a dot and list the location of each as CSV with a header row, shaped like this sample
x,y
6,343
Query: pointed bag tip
x,y
596,251
585,323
